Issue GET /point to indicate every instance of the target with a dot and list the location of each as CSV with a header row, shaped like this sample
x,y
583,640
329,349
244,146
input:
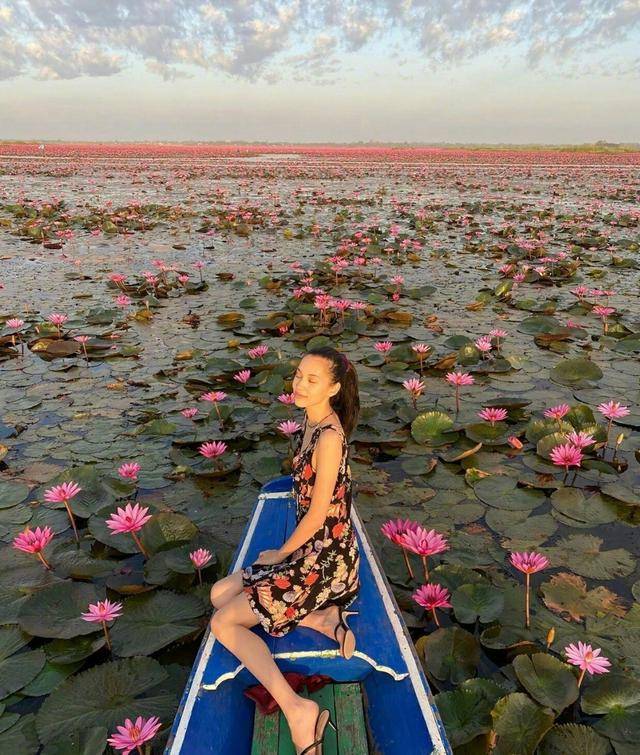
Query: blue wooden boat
x,y
401,717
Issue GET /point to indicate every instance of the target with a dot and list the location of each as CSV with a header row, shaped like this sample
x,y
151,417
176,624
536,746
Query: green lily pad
x,y
573,739
480,600
17,669
575,372
547,443
54,611
503,493
12,493
519,724
621,493
104,696
430,428
572,504
166,529
581,553
610,692
86,742
21,737
538,428
487,434
450,653
567,595
154,620
466,712
64,652
621,725
49,678
549,681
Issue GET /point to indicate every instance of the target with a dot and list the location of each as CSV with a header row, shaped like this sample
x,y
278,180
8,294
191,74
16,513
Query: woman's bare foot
x,y
326,622
302,724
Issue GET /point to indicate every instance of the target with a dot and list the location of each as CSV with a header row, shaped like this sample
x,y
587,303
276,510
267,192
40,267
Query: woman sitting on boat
x,y
313,576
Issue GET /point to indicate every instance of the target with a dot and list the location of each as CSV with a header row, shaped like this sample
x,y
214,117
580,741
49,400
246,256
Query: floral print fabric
x,y
321,572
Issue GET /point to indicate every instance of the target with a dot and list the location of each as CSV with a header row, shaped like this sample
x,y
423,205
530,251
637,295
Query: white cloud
x,y
267,39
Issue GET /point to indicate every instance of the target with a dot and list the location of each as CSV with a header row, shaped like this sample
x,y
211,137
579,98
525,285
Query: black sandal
x,y
345,651
319,735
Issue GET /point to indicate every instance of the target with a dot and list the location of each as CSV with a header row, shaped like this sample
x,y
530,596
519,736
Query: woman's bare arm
x,y
329,454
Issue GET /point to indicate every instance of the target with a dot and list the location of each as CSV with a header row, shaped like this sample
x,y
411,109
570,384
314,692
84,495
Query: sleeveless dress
x,y
324,570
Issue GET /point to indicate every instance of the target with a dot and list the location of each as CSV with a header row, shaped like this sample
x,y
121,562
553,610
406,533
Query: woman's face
x,y
313,382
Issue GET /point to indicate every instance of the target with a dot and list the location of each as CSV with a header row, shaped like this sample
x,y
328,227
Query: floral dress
x,y
324,570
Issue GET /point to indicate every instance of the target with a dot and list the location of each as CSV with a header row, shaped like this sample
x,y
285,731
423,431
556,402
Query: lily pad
x,y
503,492
549,681
610,692
572,504
573,739
480,600
581,553
575,372
17,669
154,620
54,611
431,428
567,595
12,493
104,696
466,712
450,654
519,724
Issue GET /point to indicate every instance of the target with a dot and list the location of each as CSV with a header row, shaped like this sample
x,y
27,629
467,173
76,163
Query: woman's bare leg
x,y
231,625
226,589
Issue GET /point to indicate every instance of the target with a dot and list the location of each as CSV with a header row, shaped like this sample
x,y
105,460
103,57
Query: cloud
x,y
271,39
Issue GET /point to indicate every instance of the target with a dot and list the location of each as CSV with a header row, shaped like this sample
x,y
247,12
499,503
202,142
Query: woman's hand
x,y
270,557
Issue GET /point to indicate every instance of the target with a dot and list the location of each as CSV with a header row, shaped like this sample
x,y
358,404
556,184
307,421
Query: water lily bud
x,y
619,439
551,634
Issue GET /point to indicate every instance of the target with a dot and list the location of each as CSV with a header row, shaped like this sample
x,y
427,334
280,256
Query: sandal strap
x,y
315,744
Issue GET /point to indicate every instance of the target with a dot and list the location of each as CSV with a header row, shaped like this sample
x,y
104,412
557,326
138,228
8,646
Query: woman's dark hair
x,y
346,402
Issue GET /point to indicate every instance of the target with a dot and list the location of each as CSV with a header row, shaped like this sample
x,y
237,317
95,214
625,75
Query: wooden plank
x,y
324,698
265,733
352,734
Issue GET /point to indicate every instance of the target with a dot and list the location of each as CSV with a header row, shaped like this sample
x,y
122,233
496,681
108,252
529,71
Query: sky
x,y
428,71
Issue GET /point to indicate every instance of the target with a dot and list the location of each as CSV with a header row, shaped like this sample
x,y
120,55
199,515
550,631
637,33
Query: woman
x,y
313,576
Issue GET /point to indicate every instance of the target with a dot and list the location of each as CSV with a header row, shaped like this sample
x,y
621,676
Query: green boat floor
x,y
271,734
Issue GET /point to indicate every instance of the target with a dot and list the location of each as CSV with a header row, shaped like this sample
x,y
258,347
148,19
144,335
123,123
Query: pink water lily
x,y
258,351
129,470
580,439
129,519
421,349
189,413
14,323
424,543
63,494
394,531
103,611
200,558
383,347
214,397
415,388
493,414
132,735
528,564
483,345
459,379
612,410
603,312
58,320
289,427
242,376
557,412
287,399
587,659
211,450
566,455
432,596
34,541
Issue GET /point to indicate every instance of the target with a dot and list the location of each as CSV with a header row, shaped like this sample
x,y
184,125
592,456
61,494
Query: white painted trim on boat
x,y
409,657
310,654
196,680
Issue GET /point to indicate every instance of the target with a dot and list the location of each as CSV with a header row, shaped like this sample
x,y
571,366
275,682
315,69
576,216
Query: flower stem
x,y
73,521
426,568
527,617
406,560
435,618
457,399
44,561
200,577
139,544
106,635
582,673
